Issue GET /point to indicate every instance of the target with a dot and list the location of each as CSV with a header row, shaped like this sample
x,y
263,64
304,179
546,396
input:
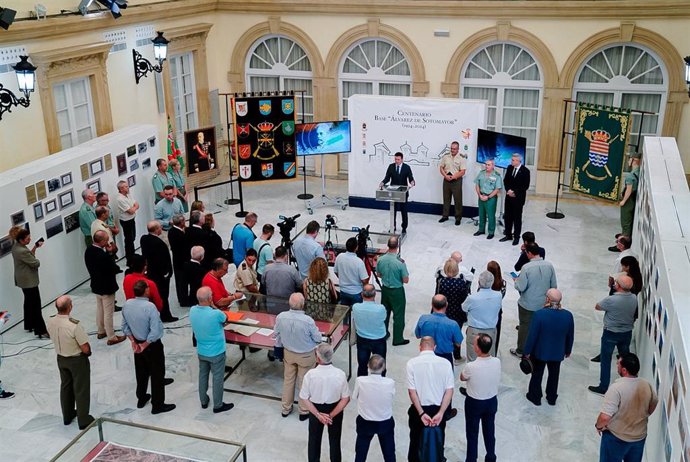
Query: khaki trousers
x,y
105,306
296,365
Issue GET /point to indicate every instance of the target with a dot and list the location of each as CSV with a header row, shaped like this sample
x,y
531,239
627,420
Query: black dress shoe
x,y
117,309
490,236
478,233
457,222
596,359
516,241
224,407
170,319
69,419
142,402
86,424
614,248
303,417
163,408
533,401
552,402
404,342
505,238
597,390
204,406
167,381
443,219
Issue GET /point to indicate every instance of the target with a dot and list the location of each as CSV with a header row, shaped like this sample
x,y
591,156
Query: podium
x,y
392,194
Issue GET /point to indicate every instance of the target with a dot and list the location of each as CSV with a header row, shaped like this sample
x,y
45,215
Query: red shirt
x,y
154,295
218,289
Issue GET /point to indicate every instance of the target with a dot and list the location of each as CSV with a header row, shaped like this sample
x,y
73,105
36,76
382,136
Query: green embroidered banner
x,y
600,140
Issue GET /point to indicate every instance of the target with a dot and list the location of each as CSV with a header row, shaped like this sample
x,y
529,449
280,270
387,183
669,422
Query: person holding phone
x,y
26,278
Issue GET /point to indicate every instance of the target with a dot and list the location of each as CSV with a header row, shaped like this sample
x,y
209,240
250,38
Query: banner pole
x,y
305,195
556,215
231,200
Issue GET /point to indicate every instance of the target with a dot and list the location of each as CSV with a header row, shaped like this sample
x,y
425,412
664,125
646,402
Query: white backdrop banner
x,y
422,129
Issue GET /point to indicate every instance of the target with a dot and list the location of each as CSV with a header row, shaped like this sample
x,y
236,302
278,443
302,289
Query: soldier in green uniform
x,y
488,185
627,203
393,273
73,351
160,180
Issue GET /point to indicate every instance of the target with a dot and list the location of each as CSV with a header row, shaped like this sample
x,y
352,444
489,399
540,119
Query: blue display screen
x,y
323,138
499,147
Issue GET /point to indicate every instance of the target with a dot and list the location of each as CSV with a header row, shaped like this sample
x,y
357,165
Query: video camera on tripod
x,y
286,226
362,240
330,222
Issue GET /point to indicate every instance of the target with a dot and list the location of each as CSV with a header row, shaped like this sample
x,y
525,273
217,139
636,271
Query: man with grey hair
x,y
620,310
87,214
445,332
179,245
516,182
159,265
326,393
298,335
127,209
207,325
549,342
482,310
374,394
370,324
194,272
100,224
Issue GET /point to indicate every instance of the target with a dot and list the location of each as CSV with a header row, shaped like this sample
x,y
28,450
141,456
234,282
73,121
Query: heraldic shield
x,y
600,143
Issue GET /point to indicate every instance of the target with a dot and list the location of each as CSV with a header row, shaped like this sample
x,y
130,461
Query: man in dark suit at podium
x,y
516,184
399,174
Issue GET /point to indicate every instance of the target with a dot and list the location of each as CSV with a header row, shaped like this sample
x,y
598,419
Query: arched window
x,y
508,77
627,76
372,67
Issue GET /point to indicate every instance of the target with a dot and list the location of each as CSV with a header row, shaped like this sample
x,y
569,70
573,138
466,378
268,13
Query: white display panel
x,y
422,129
62,255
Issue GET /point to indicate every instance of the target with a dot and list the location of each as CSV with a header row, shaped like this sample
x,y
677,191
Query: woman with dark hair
x,y
453,288
317,286
26,278
631,267
196,205
499,286
214,249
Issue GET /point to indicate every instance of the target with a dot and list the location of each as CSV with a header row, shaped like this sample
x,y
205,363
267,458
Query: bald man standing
x,y
549,342
73,351
619,319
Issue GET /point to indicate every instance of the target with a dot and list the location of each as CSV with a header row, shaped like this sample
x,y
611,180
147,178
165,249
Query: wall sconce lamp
x,y
687,72
26,73
143,66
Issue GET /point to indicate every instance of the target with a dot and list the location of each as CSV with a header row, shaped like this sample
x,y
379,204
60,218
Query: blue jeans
x,y
614,449
366,430
609,341
349,299
484,411
215,365
367,347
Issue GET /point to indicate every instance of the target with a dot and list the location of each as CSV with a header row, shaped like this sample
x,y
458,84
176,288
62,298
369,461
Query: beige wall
x,y
131,103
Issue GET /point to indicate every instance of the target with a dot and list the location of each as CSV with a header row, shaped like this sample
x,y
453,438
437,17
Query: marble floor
x,y
31,424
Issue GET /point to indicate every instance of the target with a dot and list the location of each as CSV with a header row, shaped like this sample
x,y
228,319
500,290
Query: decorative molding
x,y
627,31
502,30
55,66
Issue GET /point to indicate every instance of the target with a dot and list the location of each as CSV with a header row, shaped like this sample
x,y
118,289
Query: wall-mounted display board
x,y
46,195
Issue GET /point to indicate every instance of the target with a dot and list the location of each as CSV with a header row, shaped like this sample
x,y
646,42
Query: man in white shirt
x,y
374,394
482,376
430,386
127,208
467,274
326,393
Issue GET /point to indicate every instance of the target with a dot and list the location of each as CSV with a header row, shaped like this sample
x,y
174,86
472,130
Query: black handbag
x,y
526,366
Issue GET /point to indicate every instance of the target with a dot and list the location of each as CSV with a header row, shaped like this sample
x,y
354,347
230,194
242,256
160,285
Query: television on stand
x,y
499,147
323,138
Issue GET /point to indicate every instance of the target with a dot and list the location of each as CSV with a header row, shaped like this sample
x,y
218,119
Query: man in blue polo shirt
x,y
207,325
444,330
370,325
482,311
242,238
306,248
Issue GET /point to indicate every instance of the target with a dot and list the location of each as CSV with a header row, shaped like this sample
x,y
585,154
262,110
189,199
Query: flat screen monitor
x,y
499,147
323,138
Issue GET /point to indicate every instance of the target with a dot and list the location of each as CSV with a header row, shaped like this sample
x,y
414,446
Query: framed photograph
x,y
84,169
133,165
72,222
5,245
96,167
146,163
66,179
132,181
121,160
53,227
108,160
66,199
54,184
94,186
41,191
38,211
152,141
131,150
30,194
200,146
50,206
17,218
141,147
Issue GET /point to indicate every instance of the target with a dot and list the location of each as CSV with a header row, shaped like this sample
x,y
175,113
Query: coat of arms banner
x,y
265,137
601,137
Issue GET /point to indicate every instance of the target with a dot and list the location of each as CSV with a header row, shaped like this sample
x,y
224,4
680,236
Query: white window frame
x,y
73,129
181,120
501,81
